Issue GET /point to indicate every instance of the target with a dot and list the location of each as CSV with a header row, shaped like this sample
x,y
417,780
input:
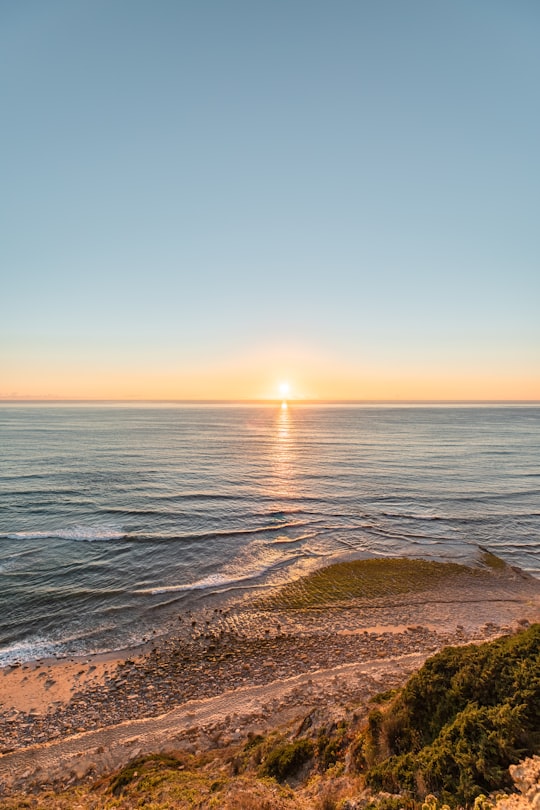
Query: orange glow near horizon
x,y
263,374
134,387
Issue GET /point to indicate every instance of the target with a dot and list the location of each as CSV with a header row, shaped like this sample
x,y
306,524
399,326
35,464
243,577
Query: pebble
x,y
180,669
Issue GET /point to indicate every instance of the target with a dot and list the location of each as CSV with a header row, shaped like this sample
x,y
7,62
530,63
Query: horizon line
x,y
265,401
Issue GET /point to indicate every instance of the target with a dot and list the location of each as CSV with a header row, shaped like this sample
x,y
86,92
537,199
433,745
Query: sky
x,y
204,199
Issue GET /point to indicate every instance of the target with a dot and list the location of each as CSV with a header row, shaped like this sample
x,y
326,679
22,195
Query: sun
x,y
284,390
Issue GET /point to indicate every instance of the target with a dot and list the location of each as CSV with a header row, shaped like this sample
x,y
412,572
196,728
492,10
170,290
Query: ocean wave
x,y
411,516
216,534
211,581
199,496
28,650
215,580
279,541
80,642
53,491
88,534
271,529
485,497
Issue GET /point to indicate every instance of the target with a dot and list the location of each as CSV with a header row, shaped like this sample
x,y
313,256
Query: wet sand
x,y
241,668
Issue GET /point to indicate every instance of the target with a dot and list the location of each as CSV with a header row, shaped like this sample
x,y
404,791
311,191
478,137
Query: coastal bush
x,y
384,697
139,767
253,740
286,759
459,722
330,747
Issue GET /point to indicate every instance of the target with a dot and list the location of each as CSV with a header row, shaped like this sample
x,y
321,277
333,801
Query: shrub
x,y
287,759
330,746
139,766
459,722
253,740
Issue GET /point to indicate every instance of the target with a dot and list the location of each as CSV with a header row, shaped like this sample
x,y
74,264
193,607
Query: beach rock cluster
x,y
177,670
326,657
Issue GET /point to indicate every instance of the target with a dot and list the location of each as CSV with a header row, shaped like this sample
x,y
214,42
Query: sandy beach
x,y
242,668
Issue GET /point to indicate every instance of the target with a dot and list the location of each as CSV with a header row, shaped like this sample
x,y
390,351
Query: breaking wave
x,y
88,534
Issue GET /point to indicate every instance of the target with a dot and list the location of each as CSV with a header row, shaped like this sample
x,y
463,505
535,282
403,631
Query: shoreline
x,y
236,596
292,659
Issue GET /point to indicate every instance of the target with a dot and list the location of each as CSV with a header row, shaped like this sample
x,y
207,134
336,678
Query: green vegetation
x,y
286,759
368,579
445,739
142,767
253,740
459,722
492,561
331,746
384,697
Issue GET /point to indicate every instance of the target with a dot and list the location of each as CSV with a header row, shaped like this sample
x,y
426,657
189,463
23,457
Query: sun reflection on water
x,y
283,454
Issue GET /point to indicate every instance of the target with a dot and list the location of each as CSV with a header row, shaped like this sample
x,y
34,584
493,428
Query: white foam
x,y
88,534
211,581
28,650
249,566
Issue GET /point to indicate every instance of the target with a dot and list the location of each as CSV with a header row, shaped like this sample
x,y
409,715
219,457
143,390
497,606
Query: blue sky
x,y
200,199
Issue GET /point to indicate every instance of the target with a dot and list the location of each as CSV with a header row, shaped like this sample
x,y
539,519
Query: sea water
x,y
113,517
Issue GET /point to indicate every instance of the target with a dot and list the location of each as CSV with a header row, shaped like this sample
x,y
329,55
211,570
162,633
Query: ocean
x,y
114,518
